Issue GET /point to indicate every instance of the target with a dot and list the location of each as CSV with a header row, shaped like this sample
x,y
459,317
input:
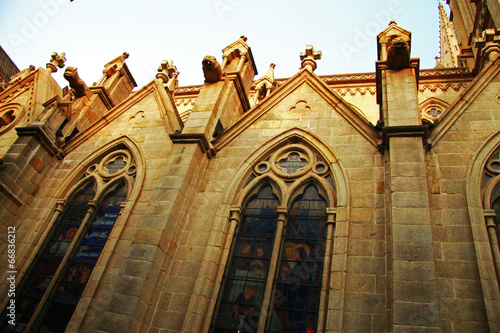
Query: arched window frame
x,y
288,187
490,193
91,169
482,220
203,301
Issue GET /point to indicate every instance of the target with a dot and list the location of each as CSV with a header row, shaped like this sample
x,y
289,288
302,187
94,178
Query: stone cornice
x,y
404,131
38,132
361,82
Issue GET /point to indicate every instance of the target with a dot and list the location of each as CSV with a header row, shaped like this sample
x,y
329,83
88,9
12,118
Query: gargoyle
x,y
75,82
211,69
398,54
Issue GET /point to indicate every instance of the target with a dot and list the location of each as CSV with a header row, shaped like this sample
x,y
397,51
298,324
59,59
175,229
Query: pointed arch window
x,y
491,203
274,275
56,279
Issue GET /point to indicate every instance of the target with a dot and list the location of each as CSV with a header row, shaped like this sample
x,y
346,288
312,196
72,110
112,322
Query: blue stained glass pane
x,y
69,289
242,291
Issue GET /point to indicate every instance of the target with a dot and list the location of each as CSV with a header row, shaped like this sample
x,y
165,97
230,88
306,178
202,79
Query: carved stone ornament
x,y
300,108
309,58
211,69
115,164
292,162
398,54
137,118
56,60
10,115
75,82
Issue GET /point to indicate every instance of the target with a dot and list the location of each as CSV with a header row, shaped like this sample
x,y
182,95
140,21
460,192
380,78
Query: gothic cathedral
x,y
339,203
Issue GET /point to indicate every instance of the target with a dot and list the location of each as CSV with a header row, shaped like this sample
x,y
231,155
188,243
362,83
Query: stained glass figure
x,y
296,294
242,291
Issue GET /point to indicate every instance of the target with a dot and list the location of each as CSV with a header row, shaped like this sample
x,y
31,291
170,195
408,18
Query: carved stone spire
x,y
449,49
309,58
264,86
56,60
270,72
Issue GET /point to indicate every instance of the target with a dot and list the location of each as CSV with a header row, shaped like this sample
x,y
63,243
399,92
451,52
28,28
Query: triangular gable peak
x,y
164,102
305,76
462,103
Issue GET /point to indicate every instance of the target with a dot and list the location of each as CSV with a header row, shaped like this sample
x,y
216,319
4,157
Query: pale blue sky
x,y
93,32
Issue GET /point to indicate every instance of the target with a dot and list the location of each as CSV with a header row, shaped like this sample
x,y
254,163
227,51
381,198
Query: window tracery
x,y
10,115
274,272
431,109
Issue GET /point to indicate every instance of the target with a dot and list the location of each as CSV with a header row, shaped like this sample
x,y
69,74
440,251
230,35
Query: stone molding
x,y
457,108
478,216
357,120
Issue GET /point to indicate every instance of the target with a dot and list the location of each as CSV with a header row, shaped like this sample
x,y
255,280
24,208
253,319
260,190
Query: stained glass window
x,y
297,283
292,163
64,296
51,256
296,294
243,287
116,165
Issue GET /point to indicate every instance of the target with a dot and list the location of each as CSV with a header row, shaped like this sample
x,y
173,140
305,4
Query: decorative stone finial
x,y
309,58
56,61
166,71
163,72
244,38
489,44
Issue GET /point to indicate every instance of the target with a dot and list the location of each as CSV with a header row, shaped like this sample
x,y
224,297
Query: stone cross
x,y
309,58
56,60
166,71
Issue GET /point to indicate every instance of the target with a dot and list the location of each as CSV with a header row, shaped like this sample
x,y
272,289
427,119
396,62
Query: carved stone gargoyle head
x,y
398,54
211,69
75,82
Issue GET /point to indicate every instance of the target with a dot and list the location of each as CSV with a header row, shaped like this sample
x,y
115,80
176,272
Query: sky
x,y
94,32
